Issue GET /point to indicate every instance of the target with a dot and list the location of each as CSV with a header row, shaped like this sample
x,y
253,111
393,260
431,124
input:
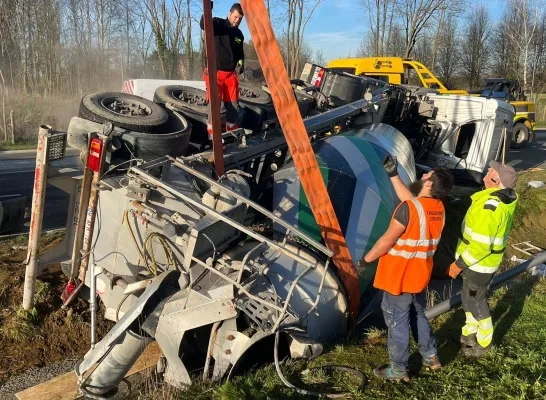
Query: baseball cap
x,y
507,174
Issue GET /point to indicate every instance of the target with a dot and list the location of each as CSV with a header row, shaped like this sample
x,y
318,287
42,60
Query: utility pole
x,y
127,35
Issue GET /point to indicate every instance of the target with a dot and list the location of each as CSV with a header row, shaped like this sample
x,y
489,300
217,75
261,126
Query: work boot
x,y
469,341
476,350
392,374
433,363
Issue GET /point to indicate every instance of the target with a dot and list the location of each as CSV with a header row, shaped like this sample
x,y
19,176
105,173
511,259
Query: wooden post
x,y
12,127
4,117
35,232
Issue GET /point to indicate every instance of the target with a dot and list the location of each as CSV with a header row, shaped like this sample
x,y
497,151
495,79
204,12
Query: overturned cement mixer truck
x,y
213,267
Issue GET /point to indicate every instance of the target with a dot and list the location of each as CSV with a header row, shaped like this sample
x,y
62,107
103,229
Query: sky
x,y
337,26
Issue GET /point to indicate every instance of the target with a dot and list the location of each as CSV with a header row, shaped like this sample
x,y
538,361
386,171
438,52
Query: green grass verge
x,y
515,368
541,124
4,146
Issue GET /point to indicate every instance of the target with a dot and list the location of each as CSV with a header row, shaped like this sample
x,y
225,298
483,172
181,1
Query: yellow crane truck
x,y
396,70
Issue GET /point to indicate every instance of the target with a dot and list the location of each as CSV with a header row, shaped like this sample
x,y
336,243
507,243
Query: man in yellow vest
x,y
405,254
480,249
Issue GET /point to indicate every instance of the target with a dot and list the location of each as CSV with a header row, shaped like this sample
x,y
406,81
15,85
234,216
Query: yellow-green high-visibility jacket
x,y
485,230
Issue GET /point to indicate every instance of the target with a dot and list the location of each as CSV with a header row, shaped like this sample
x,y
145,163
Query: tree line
x,y
460,41
77,46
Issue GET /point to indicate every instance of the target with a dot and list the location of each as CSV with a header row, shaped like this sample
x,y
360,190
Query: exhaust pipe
x,y
104,379
498,280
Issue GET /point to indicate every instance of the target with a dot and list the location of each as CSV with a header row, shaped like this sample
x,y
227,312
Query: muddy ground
x,y
48,334
45,334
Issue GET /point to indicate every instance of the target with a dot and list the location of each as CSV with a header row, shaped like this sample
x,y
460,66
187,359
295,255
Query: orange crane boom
x,y
303,155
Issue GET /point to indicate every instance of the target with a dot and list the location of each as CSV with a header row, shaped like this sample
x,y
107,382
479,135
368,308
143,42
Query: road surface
x,y
533,155
17,177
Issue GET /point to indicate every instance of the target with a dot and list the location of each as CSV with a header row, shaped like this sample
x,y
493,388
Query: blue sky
x,y
338,25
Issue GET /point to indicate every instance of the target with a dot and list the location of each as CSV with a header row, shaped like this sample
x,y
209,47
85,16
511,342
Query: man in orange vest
x,y
405,254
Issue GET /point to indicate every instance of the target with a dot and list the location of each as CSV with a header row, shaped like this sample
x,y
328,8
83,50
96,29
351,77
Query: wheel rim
x,y
190,98
521,135
248,93
125,107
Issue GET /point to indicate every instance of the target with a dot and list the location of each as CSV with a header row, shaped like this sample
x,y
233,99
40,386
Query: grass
x,y
531,201
29,112
515,368
4,146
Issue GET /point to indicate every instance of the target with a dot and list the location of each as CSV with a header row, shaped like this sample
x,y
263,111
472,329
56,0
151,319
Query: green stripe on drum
x,y
386,206
306,220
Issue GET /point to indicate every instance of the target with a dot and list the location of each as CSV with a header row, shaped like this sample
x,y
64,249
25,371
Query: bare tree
x,y
167,23
521,34
416,15
502,56
299,13
319,58
474,56
447,59
538,62
423,51
380,17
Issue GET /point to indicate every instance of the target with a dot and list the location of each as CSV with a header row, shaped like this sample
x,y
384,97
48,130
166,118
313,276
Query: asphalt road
x,y
17,177
533,155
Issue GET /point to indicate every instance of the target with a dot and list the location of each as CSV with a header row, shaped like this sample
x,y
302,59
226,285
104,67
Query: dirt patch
x,y
46,334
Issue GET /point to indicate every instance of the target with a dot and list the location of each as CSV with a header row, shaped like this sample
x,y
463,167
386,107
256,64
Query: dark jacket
x,y
228,43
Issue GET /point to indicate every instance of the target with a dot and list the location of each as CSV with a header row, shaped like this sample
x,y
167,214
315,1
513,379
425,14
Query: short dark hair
x,y
442,182
237,7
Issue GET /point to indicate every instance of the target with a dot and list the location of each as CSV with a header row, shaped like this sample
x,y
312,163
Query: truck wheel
x,y
125,111
520,135
252,94
183,98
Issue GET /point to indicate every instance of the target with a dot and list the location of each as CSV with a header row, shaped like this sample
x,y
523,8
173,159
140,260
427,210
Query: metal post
x,y
95,270
498,280
504,143
82,212
89,225
38,196
214,99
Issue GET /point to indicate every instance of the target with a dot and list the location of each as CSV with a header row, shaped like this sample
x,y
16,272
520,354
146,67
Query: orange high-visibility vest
x,y
407,267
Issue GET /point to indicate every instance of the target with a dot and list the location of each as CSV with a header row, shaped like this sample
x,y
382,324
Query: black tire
x,y
99,107
253,95
520,135
183,98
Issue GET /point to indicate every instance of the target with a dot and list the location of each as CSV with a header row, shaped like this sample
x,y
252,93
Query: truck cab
x,y
402,71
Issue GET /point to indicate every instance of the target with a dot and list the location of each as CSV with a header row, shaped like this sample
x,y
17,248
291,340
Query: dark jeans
x,y
402,312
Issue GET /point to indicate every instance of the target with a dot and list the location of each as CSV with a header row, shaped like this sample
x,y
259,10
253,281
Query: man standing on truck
x,y
480,249
405,254
228,45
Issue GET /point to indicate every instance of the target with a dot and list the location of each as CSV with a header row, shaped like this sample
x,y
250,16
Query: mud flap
x,y
12,212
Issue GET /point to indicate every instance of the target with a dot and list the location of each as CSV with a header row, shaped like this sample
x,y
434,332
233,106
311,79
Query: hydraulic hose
x,y
363,379
498,280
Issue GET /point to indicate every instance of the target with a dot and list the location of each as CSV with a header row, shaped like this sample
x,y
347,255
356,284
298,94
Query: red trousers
x,y
228,85
228,90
